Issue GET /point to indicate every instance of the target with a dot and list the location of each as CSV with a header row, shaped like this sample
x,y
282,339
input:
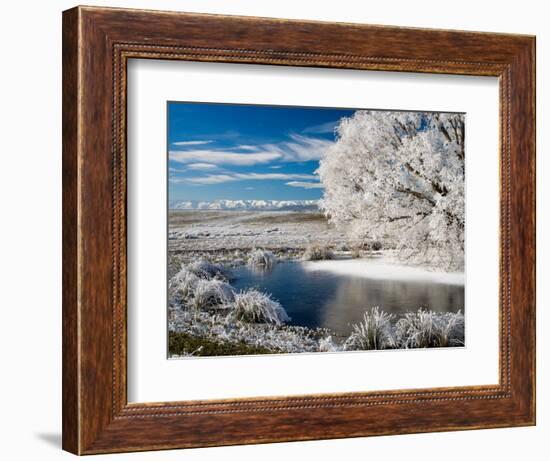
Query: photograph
x,y
313,229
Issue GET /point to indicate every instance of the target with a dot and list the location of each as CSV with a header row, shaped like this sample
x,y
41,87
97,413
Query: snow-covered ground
x,y
384,268
227,236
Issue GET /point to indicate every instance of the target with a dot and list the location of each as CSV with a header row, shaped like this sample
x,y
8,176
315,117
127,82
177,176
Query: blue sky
x,y
233,151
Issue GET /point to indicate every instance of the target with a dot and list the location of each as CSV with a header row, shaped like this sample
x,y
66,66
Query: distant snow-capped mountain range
x,y
239,205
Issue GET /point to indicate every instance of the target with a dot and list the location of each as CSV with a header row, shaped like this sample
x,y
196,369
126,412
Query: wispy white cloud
x,y
299,148
275,167
190,143
305,185
246,147
223,157
175,180
232,177
200,166
193,166
327,127
209,179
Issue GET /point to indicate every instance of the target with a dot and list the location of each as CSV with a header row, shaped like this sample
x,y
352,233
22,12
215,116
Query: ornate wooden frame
x,y
97,43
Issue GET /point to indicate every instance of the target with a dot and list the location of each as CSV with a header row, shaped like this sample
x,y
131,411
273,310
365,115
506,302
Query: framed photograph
x,y
313,229
281,230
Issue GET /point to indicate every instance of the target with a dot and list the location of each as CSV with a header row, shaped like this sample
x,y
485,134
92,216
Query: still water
x,y
323,295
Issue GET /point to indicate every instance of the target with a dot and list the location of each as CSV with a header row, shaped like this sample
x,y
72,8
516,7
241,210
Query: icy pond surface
x,y
335,294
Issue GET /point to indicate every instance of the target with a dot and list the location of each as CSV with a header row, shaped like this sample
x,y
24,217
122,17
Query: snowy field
x,y
228,236
215,230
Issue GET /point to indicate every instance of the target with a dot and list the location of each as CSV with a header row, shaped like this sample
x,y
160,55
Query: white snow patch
x,y
384,269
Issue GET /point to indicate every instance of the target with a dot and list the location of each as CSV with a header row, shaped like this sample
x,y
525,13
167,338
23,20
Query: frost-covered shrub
x,y
254,306
343,247
182,286
432,257
326,344
452,329
374,332
212,294
417,329
318,252
206,270
355,253
376,245
430,329
261,258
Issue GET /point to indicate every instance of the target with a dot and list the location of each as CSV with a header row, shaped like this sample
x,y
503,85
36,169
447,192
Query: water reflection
x,y
335,301
261,270
353,297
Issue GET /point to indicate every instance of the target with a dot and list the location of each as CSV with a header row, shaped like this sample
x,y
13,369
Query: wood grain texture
x,y
70,384
97,43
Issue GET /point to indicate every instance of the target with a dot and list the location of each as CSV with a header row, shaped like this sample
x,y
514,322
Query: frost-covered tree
x,y
398,177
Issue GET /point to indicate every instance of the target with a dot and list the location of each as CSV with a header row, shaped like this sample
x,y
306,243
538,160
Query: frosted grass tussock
x,y
326,344
374,332
206,270
182,286
211,294
261,258
377,331
254,306
430,329
318,252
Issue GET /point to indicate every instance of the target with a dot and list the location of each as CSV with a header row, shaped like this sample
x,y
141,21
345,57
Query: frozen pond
x,y
335,294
